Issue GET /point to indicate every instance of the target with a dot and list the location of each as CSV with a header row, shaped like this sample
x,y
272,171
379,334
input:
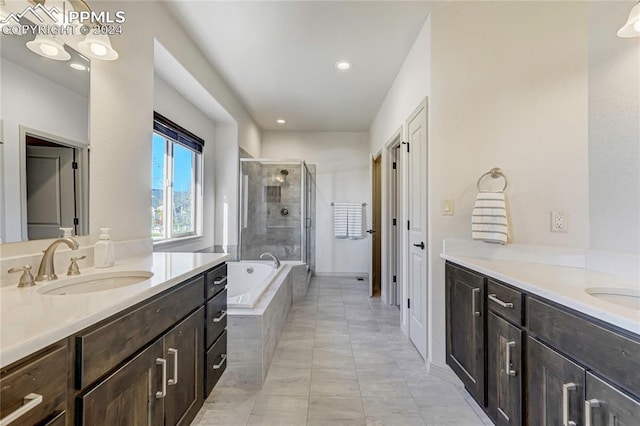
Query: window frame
x,y
197,192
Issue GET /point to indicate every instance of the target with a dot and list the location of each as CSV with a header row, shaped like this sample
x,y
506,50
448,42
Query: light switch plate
x,y
447,208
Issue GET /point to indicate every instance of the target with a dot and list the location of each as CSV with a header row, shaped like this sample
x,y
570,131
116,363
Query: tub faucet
x,y
46,272
272,256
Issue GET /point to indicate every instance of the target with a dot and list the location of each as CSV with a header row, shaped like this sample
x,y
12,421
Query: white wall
x,y
614,132
173,105
342,175
509,89
33,101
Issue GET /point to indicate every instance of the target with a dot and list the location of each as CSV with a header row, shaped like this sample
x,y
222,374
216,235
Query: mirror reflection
x,y
45,141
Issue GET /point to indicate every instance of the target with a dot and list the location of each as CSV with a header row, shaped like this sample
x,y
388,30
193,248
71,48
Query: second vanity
x,y
540,344
144,353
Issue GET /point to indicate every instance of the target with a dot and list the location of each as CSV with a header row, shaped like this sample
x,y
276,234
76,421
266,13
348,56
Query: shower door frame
x,y
303,201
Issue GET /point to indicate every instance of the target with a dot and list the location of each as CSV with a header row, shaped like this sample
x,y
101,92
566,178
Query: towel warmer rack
x,y
495,173
363,204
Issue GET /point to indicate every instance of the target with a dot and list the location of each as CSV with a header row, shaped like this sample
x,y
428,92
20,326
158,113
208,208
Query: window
x,y
176,181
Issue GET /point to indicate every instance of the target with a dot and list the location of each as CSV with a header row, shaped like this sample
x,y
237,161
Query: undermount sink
x,y
94,282
627,297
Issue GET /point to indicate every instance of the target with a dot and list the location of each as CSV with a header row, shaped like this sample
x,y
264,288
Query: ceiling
x,y
279,57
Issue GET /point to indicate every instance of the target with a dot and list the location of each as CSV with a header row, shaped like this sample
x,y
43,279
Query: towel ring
x,y
495,173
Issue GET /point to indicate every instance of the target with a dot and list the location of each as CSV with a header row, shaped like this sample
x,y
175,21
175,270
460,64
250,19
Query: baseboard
x,y
443,372
342,274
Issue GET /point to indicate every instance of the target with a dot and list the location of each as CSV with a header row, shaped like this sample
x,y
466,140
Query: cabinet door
x,y
130,396
606,405
504,371
555,392
465,328
184,351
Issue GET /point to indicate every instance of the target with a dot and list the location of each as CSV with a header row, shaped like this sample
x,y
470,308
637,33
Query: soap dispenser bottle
x,y
103,252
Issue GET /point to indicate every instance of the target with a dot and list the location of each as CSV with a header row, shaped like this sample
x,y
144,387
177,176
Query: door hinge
x,y
76,221
408,303
395,279
74,165
408,225
407,144
395,222
395,165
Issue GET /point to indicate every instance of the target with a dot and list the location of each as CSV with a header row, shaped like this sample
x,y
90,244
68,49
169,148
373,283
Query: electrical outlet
x,y
559,222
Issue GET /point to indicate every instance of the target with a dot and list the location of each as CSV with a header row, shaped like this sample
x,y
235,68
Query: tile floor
x,y
342,360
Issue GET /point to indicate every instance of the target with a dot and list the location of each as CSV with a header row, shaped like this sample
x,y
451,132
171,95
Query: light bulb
x,y
636,26
98,49
49,50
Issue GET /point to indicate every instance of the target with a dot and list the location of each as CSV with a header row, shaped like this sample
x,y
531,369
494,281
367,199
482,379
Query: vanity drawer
x,y
505,301
216,362
45,378
216,317
607,352
216,280
103,348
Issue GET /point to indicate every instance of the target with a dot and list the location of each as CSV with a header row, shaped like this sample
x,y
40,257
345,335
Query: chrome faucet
x,y
47,272
272,256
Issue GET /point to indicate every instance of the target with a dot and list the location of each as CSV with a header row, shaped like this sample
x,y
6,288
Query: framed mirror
x,y
44,155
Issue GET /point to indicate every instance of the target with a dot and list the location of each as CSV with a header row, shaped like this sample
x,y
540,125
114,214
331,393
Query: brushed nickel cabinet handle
x,y
507,363
30,402
222,361
163,392
221,281
221,317
566,387
589,405
174,352
474,303
495,299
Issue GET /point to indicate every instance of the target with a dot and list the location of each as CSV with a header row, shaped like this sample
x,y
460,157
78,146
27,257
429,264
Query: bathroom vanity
x,y
533,347
148,353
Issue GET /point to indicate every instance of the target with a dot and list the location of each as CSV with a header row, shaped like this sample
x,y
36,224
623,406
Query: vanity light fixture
x,y
98,47
281,121
632,27
343,65
48,47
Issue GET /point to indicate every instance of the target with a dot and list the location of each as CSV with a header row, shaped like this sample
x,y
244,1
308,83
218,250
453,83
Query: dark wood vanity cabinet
x,y
216,326
543,363
465,319
34,390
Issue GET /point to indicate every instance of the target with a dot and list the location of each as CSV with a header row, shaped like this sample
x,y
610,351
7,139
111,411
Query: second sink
x,y
626,297
95,282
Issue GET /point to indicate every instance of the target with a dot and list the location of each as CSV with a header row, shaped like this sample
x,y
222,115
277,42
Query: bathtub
x,y
247,282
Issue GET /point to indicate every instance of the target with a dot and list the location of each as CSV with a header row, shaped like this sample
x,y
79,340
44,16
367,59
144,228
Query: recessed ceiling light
x,y
280,121
343,65
78,67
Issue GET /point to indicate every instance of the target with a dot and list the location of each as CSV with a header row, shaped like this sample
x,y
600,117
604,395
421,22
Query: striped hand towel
x,y
489,218
340,229
354,221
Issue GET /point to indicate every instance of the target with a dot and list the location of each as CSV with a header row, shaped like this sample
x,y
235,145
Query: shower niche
x,y
277,212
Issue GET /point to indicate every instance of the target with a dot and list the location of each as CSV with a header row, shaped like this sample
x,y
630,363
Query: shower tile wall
x,y
273,210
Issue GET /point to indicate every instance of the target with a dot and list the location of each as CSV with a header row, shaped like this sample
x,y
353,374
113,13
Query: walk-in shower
x,y
277,210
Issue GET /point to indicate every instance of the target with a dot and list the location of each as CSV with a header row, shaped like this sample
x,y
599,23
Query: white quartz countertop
x,y
563,285
30,321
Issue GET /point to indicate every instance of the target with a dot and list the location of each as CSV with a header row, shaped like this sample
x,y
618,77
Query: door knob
x,y
370,231
421,245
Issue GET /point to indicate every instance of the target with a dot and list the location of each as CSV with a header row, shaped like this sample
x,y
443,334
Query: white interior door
x,y
50,191
417,227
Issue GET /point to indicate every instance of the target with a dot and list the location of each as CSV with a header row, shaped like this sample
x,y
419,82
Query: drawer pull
x,y
222,361
174,352
163,392
566,387
221,317
221,281
493,298
30,402
474,302
589,405
507,363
